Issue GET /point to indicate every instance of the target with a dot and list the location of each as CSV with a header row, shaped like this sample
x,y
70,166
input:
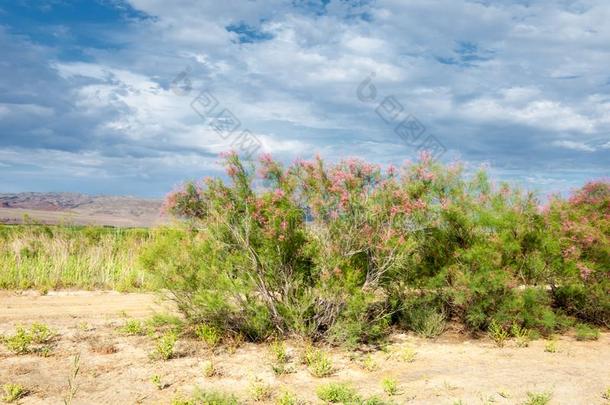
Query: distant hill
x,y
80,209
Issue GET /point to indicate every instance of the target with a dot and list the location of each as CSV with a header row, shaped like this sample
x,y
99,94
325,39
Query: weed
x,y
209,369
606,394
164,347
278,351
133,327
287,398
337,393
534,398
13,392
522,335
428,323
214,398
586,332
156,380
369,364
72,386
259,391
319,364
38,335
208,334
551,346
408,355
497,333
390,386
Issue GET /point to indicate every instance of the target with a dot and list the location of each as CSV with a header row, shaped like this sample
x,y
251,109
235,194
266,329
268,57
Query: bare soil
x,y
117,369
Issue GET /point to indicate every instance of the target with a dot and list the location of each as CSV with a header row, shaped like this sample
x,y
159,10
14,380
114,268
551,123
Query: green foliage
x,y
214,398
133,327
534,398
55,257
586,332
318,363
390,386
209,334
259,391
13,392
497,334
164,346
36,339
342,252
337,393
287,398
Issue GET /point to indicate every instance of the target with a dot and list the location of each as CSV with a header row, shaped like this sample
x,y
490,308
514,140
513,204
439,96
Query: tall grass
x,y
53,257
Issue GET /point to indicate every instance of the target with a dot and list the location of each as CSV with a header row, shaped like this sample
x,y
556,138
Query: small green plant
x,y
259,391
390,386
13,392
428,323
209,369
497,333
164,347
157,382
213,398
278,351
586,332
38,335
133,327
208,334
41,333
408,355
606,394
551,346
337,393
534,398
319,364
369,363
522,335
72,386
287,398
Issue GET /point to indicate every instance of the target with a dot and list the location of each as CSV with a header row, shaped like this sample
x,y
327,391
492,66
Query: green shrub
x,y
214,398
164,346
586,332
342,252
13,392
534,398
337,393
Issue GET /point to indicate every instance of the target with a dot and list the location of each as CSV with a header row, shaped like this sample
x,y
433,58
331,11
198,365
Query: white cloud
x,y
579,146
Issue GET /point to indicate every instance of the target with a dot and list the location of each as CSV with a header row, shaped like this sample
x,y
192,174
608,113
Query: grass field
x,y
85,257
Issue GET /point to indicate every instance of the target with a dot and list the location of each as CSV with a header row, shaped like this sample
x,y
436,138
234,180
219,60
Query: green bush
x,y
342,252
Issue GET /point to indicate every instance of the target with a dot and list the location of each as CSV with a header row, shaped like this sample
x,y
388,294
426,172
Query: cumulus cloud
x,y
520,86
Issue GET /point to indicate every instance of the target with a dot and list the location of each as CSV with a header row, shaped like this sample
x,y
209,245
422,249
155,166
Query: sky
x,y
131,97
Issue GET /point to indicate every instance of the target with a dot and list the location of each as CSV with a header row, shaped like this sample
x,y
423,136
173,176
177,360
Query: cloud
x,y
494,81
579,146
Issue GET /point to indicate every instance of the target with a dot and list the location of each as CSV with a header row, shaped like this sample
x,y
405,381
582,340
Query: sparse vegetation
x,y
586,332
72,384
53,257
338,393
259,391
318,363
35,339
164,346
13,392
537,398
390,386
497,333
133,327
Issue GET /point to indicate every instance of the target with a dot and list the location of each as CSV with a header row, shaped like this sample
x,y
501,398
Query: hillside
x,y
79,209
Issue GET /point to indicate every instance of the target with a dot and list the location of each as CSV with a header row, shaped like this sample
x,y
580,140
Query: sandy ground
x,y
117,369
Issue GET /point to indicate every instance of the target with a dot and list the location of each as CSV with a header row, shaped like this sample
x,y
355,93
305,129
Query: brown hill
x,y
79,209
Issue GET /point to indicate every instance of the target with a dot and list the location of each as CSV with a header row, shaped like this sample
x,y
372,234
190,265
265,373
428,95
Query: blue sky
x,y
88,104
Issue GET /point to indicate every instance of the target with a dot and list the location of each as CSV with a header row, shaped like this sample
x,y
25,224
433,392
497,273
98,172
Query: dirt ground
x,y
117,369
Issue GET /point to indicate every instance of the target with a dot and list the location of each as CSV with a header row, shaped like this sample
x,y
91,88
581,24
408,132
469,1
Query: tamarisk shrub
x,y
344,251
